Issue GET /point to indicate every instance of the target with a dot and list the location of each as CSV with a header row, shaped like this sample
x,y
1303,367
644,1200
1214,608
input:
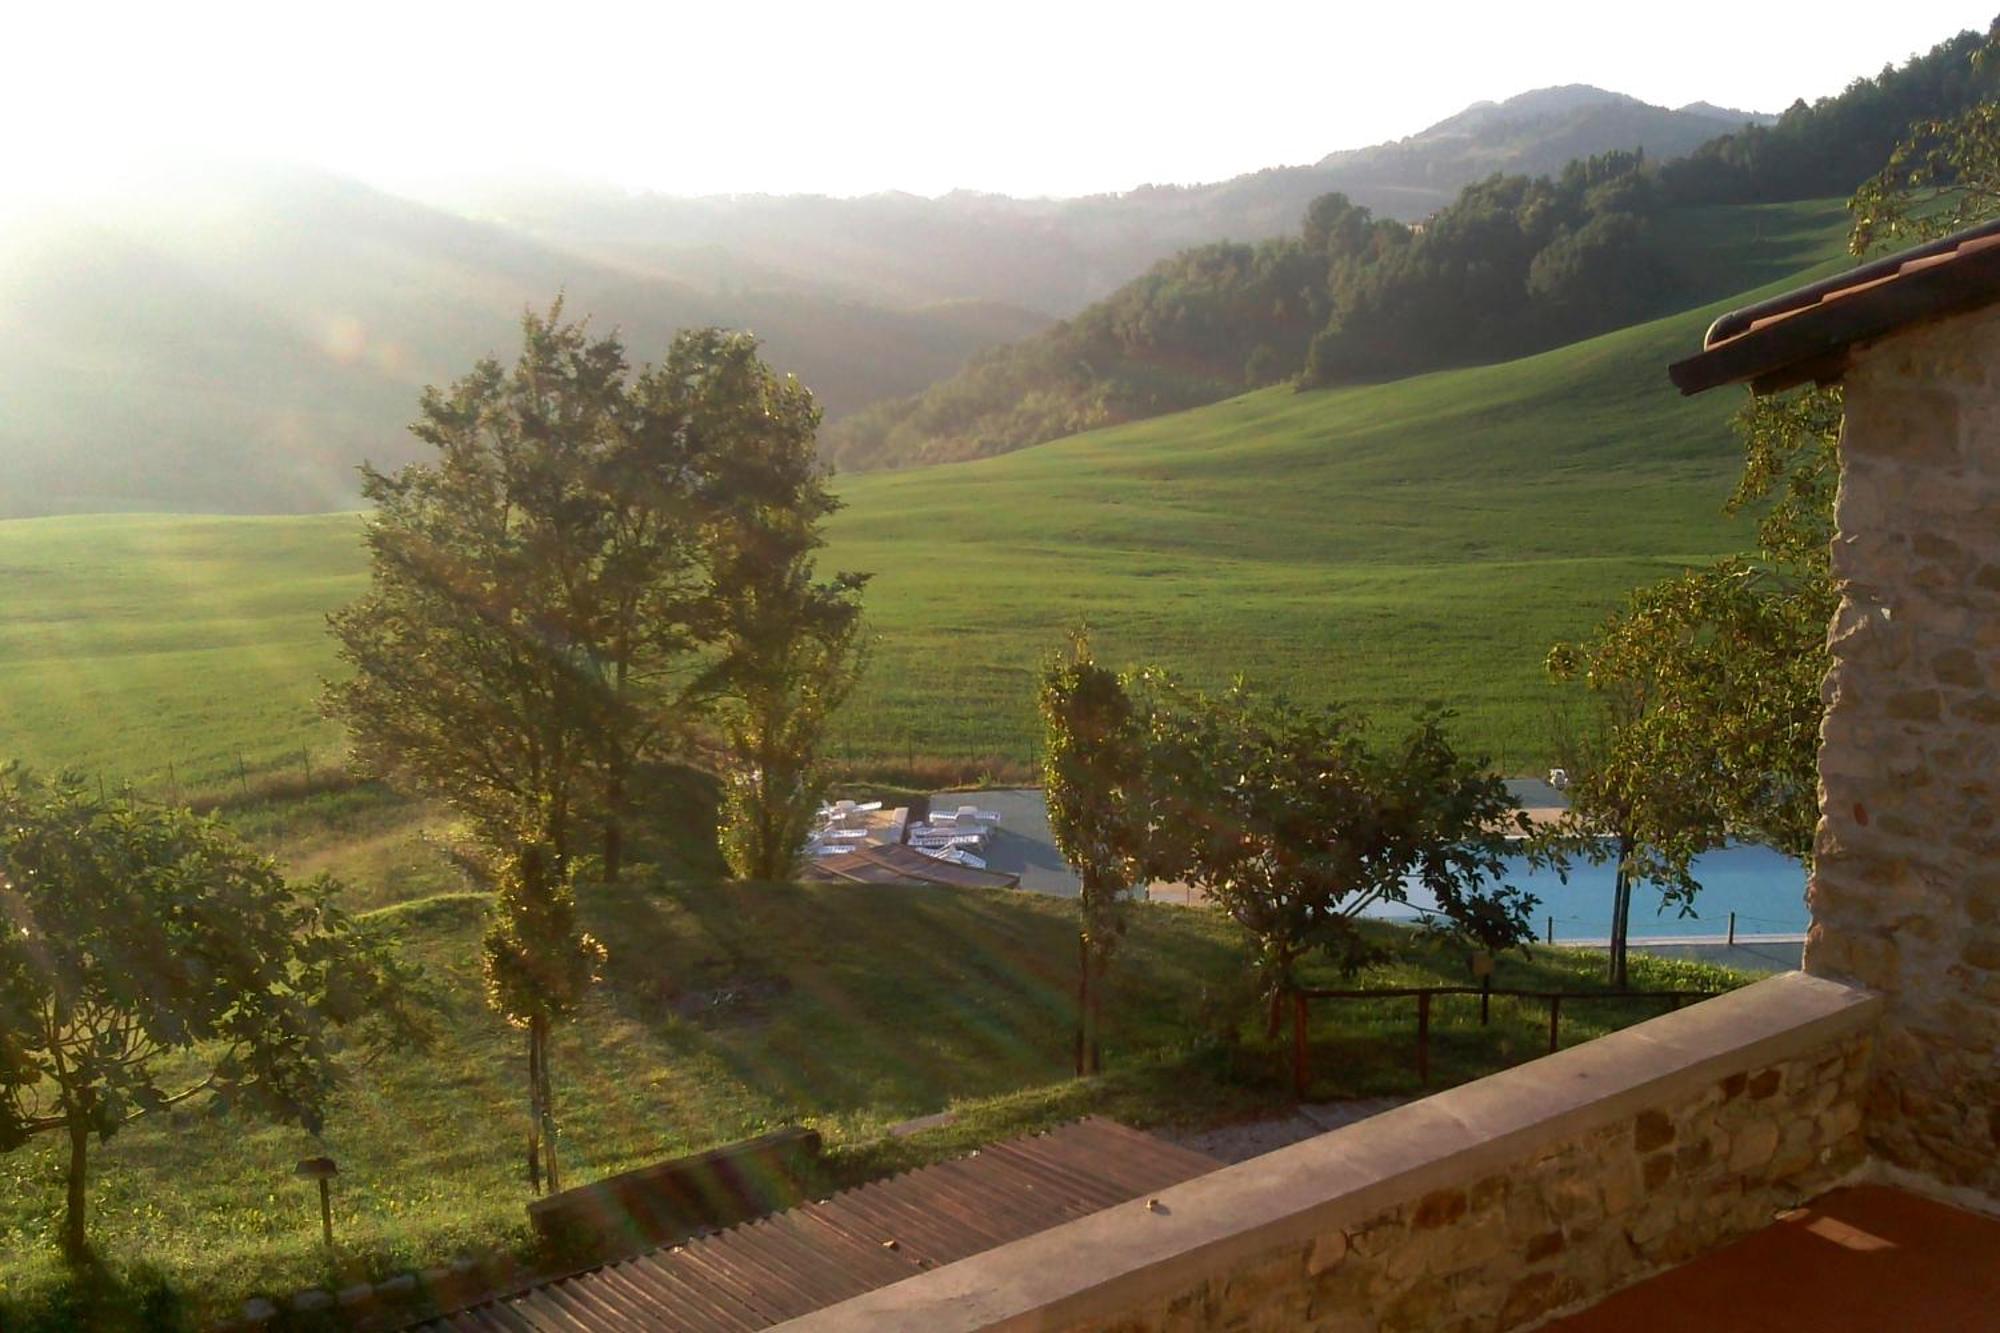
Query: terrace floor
x,y
1859,1260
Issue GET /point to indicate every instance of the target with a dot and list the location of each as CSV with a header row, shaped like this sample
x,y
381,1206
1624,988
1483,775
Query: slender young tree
x,y
1094,773
537,964
787,644
147,957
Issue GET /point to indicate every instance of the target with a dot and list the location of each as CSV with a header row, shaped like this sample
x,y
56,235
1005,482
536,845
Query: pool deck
x,y
1023,845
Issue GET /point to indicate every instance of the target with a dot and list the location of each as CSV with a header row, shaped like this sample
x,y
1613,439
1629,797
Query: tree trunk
x,y
614,793
1621,916
614,848
75,1241
614,822
547,1099
1097,1014
534,1107
1082,997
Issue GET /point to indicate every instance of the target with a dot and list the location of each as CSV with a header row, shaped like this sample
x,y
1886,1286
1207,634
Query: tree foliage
x,y
597,570
477,673
788,645
491,663
1944,174
1294,823
537,963
1704,688
1094,772
147,957
1830,146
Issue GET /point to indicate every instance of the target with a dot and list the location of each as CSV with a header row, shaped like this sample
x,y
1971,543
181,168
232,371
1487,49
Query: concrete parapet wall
x,y
1489,1206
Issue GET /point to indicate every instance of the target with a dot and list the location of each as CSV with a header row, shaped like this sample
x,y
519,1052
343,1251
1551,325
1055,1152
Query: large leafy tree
x,y
1703,691
1706,686
527,601
1295,824
787,644
1094,773
147,958
477,676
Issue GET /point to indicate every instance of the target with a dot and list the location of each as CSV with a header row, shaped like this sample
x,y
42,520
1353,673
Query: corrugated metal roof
x,y
807,1258
1805,334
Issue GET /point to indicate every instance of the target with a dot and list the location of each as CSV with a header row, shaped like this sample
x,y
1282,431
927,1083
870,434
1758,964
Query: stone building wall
x,y
1567,1226
1905,893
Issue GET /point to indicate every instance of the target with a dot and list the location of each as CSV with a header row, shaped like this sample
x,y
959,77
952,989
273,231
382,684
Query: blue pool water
x,y
1766,890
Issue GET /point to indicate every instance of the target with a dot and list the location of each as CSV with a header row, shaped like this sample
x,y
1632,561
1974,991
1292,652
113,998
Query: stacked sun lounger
x,y
958,836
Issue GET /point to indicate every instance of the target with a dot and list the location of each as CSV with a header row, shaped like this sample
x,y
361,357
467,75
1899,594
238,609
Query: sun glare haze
x,y
1043,99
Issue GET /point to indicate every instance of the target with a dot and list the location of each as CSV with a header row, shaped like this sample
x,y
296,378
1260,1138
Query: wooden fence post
x,y
1485,1000
1423,1038
1555,1019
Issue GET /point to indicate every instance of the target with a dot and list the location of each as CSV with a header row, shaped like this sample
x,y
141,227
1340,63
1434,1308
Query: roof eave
x,y
1816,343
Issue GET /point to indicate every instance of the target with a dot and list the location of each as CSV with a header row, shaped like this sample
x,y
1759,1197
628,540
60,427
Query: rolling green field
x,y
726,1010
1390,544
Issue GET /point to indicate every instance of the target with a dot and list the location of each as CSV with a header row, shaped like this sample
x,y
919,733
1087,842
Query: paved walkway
x,y
1864,1260
1022,844
1254,1138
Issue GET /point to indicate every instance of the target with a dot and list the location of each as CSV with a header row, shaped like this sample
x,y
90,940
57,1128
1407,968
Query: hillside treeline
x,y
1514,265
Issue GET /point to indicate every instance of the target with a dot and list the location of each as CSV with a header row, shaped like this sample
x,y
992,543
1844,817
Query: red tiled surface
x,y
1862,1260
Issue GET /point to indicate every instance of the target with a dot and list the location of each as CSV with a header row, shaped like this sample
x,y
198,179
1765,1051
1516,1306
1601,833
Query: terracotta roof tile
x,y
1808,333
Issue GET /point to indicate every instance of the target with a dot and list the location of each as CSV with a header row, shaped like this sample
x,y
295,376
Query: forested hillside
x,y
1515,265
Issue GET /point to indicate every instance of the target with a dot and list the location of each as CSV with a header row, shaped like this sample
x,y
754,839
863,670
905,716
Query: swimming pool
x,y
1765,888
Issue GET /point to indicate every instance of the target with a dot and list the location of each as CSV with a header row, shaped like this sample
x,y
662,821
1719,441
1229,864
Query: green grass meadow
x,y
1390,545
725,1011
1387,545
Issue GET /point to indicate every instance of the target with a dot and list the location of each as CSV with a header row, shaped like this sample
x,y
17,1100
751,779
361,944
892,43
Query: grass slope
x,y
1389,544
845,1013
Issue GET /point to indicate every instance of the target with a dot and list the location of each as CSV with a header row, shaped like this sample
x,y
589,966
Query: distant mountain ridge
x,y
1530,255
241,342
1533,134
1058,255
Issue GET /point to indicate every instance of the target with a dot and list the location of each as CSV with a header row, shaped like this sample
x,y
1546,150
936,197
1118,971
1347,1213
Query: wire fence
x,y
288,778
1736,924
1426,996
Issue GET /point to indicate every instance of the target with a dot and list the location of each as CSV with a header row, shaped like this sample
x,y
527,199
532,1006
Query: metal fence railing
x,y
1302,1000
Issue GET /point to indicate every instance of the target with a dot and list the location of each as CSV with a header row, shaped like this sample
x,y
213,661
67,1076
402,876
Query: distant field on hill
x,y
1388,544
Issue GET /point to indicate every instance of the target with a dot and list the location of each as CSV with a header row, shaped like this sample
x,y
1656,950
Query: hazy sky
x,y
1026,98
